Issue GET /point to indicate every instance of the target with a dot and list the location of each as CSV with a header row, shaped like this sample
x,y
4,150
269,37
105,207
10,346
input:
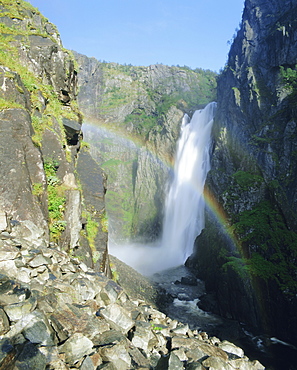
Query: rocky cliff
x,y
247,253
145,105
41,198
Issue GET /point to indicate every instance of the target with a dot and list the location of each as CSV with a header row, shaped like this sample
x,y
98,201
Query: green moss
x,y
104,222
270,247
9,104
37,189
92,228
289,78
120,204
111,163
95,256
56,199
238,265
247,180
9,57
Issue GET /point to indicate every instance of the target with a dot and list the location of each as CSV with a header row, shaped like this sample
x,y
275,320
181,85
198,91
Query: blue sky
x,y
194,33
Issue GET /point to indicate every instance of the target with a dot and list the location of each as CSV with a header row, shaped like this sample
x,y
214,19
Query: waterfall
x,y
184,206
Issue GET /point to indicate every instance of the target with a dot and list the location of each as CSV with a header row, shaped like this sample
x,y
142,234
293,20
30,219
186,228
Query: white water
x,y
184,208
184,212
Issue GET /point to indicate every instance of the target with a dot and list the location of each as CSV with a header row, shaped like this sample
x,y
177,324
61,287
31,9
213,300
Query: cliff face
x,y
135,190
145,105
40,125
254,175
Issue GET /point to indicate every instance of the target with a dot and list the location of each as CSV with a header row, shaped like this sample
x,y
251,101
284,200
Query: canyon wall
x,y
138,112
247,253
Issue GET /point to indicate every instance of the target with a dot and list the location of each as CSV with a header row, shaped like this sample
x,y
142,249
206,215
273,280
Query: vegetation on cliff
x,y
145,104
138,99
38,97
254,175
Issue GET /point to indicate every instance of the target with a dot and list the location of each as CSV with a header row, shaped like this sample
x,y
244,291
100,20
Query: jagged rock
x,y
69,319
174,363
17,310
189,280
4,323
118,355
30,358
181,329
84,288
118,316
87,364
40,260
142,335
73,218
53,358
231,348
9,253
215,363
39,331
138,359
195,366
111,292
76,347
107,335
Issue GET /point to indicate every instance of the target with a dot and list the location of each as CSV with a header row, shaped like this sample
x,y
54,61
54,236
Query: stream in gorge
x,y
163,260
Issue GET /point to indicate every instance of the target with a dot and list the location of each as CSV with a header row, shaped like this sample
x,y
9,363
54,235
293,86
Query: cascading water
x,y
184,208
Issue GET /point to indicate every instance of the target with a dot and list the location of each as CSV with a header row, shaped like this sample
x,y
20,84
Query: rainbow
x,y
211,202
217,210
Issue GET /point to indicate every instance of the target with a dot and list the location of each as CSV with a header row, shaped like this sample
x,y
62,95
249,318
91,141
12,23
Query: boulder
x,y
118,317
76,347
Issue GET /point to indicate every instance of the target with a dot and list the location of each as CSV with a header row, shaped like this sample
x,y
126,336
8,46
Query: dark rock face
x,y
40,128
249,258
21,166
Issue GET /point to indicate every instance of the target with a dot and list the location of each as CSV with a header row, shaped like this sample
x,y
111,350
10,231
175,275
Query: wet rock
x,y
189,280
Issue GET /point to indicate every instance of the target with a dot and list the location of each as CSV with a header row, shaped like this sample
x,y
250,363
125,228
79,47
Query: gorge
x,y
59,308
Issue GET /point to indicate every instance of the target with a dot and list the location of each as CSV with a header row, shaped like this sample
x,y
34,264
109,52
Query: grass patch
x,y
56,200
